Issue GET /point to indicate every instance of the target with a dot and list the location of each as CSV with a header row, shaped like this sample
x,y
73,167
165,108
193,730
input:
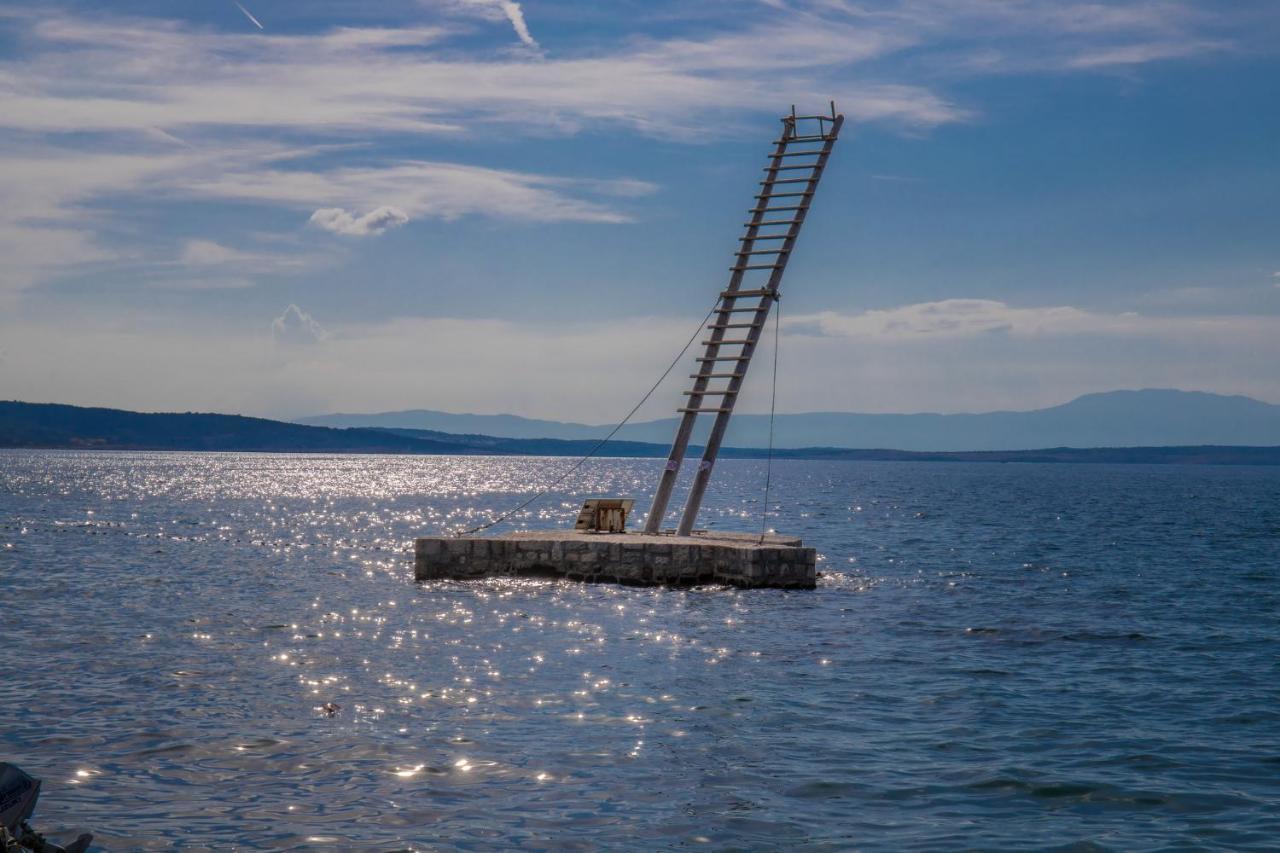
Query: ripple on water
x,y
225,650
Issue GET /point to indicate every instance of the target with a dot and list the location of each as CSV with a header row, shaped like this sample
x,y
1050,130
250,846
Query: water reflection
x,y
985,641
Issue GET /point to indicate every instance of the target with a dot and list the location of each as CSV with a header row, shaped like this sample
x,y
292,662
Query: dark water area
x,y
1079,657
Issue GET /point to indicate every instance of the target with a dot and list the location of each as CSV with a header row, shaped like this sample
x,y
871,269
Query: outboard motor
x,y
18,795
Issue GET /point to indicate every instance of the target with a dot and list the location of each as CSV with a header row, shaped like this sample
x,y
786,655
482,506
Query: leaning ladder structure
x,y
791,179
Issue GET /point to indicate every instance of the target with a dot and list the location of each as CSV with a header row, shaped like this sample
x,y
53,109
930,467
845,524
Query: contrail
x,y
515,15
249,15
512,11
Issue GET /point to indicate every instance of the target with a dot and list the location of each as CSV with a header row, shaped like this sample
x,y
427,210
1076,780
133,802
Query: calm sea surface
x,y
997,656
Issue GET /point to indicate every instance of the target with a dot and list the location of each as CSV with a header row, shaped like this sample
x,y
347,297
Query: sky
x,y
284,209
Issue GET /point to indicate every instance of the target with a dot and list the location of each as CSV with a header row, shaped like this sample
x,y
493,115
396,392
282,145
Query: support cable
x,y
602,442
773,402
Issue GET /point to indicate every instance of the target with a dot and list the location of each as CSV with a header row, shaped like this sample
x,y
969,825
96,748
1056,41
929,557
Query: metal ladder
x,y
790,178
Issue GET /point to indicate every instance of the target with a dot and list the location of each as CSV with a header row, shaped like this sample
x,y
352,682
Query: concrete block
x,y
740,559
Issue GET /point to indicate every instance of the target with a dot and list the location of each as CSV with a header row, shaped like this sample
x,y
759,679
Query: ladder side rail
x,y
721,424
667,482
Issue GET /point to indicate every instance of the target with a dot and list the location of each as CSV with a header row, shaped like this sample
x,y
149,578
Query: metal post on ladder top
x,y
703,474
667,482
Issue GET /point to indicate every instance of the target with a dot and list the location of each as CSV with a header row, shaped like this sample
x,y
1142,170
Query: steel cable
x,y
602,442
773,401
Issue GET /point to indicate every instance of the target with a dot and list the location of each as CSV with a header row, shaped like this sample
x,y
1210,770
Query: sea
x,y
997,656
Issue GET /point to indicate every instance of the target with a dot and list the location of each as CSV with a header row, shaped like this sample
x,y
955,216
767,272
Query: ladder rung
x,y
763,252
708,411
785,195
734,342
716,375
822,137
717,392
742,267
800,153
772,222
764,237
724,358
737,294
735,325
786,181
775,209
788,168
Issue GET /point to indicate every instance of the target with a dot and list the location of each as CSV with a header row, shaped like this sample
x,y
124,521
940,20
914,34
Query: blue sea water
x,y
1016,656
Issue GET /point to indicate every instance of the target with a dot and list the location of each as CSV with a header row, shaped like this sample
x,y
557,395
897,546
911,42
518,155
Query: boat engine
x,y
18,795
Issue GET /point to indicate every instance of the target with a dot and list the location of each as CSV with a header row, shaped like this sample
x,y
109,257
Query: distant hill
x,y
501,426
47,425
1148,418
1201,455
43,425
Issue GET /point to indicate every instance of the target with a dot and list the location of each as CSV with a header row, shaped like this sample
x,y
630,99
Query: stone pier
x,y
736,559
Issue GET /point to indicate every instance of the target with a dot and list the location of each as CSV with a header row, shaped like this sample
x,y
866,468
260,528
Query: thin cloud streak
x,y
417,189
960,319
496,10
249,15
47,225
172,77
515,15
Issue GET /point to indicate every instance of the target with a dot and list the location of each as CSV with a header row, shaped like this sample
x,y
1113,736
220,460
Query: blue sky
x,y
484,205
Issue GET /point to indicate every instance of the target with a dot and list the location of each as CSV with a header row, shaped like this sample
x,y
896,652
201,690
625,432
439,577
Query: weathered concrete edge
x,y
644,562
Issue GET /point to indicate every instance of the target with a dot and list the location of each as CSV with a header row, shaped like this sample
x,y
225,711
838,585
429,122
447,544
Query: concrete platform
x,y
737,559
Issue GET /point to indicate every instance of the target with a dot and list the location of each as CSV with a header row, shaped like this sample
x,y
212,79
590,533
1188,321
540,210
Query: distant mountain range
x,y
45,425
1148,418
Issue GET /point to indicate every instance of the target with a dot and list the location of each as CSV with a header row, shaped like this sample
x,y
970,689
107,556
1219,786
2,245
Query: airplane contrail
x,y
249,15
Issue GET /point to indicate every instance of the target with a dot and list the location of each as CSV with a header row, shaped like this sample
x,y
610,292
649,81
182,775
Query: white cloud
x,y
376,221
422,189
50,199
296,327
995,36
200,253
951,319
955,318
981,355
520,367
48,220
502,9
180,111
1141,53
209,265
206,252
133,75
28,254
516,16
